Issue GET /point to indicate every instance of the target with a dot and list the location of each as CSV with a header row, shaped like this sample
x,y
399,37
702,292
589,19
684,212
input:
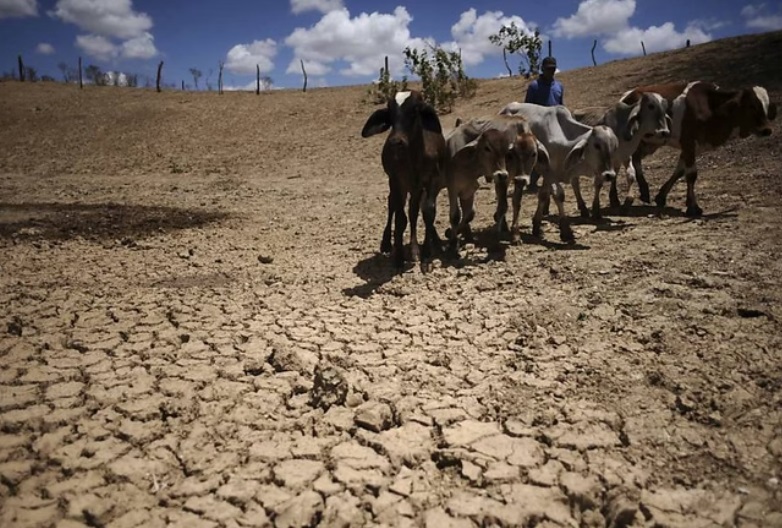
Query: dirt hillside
x,y
196,328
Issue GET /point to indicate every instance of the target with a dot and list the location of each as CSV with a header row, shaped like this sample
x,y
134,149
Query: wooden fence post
x,y
594,45
220,79
257,79
305,75
183,86
81,82
549,48
159,69
643,48
21,68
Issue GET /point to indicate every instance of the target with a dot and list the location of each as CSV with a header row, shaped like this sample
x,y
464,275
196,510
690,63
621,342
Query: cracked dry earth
x,y
224,347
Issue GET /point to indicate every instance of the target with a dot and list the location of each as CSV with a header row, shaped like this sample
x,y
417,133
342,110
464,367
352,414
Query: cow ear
x,y
458,122
378,122
633,122
543,157
772,111
576,154
429,119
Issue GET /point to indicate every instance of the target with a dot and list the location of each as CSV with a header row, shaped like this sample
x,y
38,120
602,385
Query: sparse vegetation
x,y
442,76
385,87
513,40
196,73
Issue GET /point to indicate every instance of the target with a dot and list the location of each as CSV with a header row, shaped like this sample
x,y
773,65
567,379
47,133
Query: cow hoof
x,y
693,211
660,201
614,203
596,214
515,239
644,196
627,204
537,230
385,247
584,212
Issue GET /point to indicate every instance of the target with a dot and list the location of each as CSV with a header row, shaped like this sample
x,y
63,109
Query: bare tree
x,y
31,74
95,74
209,79
196,73
66,71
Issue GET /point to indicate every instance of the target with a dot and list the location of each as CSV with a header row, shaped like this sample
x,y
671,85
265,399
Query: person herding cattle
x,y
545,91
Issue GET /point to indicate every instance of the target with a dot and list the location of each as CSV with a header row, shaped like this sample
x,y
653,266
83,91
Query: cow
x,y
573,149
484,156
414,158
523,153
704,117
645,118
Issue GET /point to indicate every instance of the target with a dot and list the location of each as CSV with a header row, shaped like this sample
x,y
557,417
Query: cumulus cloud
x,y
110,18
758,17
44,48
611,19
361,42
655,38
141,47
471,34
324,6
243,58
18,8
109,21
595,17
97,46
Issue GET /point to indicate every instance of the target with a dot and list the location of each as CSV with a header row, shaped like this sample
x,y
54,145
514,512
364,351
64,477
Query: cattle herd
x,y
421,161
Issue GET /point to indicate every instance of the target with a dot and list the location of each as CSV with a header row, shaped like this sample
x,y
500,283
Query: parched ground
x,y
196,329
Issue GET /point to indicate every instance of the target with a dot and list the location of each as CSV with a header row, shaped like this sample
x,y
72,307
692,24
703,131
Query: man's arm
x,y
530,98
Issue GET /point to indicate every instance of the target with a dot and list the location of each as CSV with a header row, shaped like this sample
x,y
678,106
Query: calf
x,y
644,118
573,149
485,156
523,153
414,158
704,117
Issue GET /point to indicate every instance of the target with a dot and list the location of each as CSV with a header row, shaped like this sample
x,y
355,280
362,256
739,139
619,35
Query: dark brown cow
x,y
704,117
414,157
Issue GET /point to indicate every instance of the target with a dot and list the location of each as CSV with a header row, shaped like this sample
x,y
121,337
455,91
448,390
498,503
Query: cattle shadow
x,y
100,221
375,271
730,212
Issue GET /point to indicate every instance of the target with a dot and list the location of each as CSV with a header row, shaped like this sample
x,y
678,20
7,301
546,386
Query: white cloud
x,y
655,38
595,17
324,6
97,47
758,17
18,8
107,20
362,42
44,48
110,18
471,34
141,47
243,58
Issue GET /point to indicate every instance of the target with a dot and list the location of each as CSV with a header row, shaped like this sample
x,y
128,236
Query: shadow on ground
x,y
62,221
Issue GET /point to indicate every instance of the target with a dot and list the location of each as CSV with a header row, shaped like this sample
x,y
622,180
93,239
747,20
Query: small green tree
x,y
385,87
513,39
442,76
196,73
95,74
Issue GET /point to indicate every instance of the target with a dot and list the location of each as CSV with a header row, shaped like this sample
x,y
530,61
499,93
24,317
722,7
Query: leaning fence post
x,y
305,75
159,69
594,45
643,48
21,68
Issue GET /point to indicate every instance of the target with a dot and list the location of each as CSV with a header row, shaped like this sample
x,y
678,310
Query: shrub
x,y
442,76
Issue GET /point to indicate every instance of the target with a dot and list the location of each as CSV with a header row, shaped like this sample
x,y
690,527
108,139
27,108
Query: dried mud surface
x,y
197,330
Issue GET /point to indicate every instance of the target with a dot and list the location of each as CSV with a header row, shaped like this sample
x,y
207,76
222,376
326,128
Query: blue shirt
x,y
543,93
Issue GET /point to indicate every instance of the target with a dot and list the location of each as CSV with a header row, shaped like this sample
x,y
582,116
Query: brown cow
x,y
414,157
704,117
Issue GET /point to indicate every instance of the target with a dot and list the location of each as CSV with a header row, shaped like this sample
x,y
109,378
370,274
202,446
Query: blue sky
x,y
344,41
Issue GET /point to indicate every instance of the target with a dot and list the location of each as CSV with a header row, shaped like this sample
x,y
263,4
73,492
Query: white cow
x,y
632,123
573,149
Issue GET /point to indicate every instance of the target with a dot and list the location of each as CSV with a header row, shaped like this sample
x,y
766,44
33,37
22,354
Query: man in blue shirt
x,y
544,91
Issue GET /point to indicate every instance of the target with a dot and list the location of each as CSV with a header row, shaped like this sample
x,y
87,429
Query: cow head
x,y
756,111
595,151
526,152
649,118
489,152
402,114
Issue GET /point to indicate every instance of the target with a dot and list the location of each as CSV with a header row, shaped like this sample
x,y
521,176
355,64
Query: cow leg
x,y
400,224
565,232
454,216
582,206
501,192
544,195
467,204
415,206
429,212
596,199
385,244
613,195
643,185
630,179
693,210
518,189
662,195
